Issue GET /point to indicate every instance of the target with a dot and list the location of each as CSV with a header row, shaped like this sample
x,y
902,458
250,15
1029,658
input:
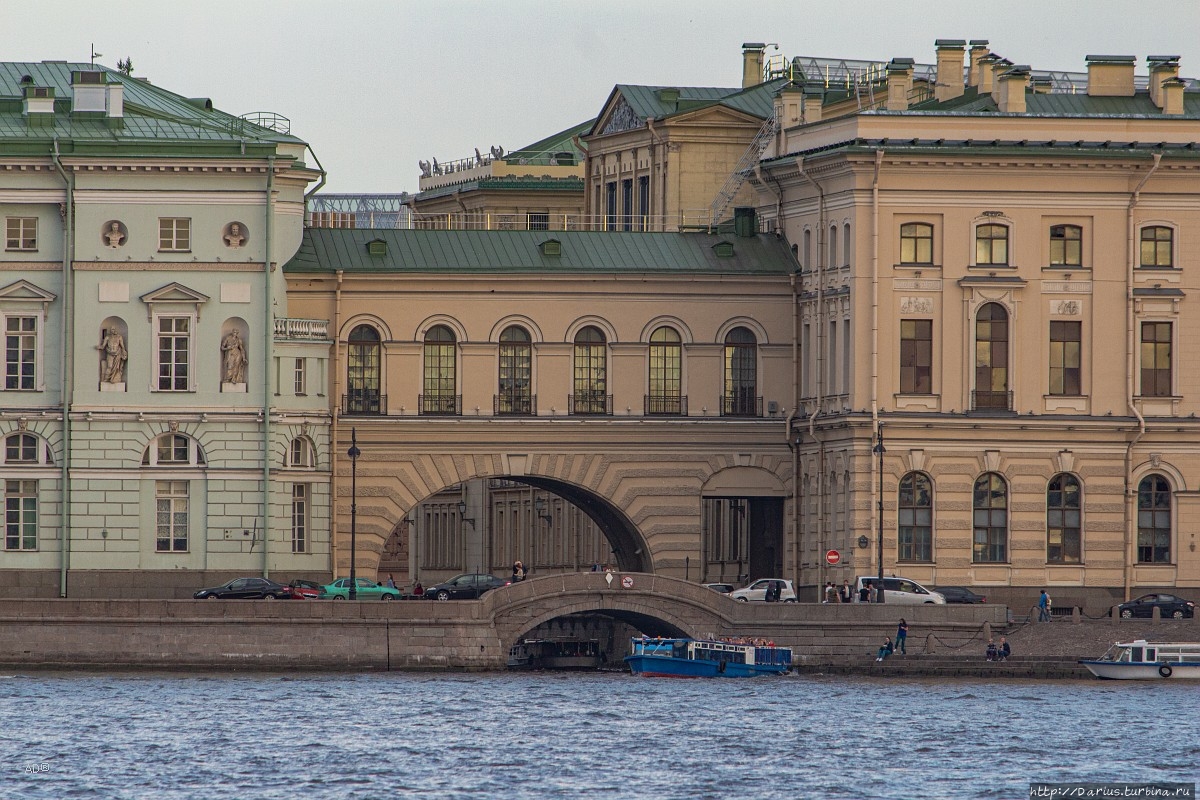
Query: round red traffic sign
x,y
627,581
833,557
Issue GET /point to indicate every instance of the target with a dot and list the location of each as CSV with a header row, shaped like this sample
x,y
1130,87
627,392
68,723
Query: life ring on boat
x,y
1165,671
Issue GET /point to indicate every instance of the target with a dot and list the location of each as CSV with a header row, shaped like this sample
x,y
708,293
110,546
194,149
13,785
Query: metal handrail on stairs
x,y
745,164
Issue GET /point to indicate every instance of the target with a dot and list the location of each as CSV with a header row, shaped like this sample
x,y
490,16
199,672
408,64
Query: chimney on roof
x,y
1012,90
787,105
38,105
899,83
979,49
1110,76
1161,68
752,63
814,99
949,69
999,67
1172,94
985,72
87,92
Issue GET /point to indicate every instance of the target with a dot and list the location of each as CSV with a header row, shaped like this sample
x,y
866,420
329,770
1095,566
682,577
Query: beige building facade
x,y
1000,276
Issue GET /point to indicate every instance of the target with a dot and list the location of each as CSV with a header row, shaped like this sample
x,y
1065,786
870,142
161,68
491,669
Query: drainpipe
x,y
1130,388
66,366
267,362
875,331
320,183
820,364
787,430
333,425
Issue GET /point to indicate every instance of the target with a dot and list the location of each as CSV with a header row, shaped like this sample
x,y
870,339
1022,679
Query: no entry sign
x,y
833,557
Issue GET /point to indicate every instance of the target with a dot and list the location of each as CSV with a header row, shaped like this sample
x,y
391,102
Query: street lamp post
x,y
879,450
354,453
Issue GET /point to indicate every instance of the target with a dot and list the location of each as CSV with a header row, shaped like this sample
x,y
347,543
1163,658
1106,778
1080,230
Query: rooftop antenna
x,y
95,55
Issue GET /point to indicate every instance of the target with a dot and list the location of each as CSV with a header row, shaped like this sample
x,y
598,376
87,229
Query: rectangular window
x,y
1157,250
627,204
991,245
539,222
20,515
299,517
174,234
916,356
916,243
21,233
300,376
1065,338
20,353
174,345
643,203
171,502
1066,245
610,206
1156,359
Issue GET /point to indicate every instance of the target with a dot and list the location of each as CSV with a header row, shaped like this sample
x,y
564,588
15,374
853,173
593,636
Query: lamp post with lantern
x,y
353,453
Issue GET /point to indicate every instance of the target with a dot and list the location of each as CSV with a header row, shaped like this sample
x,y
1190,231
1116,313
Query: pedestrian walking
x,y
830,593
847,594
902,636
1044,607
864,594
391,581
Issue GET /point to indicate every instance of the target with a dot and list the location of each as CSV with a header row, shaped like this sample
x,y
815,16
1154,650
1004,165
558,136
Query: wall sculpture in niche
x,y
235,235
916,305
113,354
114,234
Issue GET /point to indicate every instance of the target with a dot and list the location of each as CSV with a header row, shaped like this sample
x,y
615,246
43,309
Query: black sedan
x,y
465,587
246,589
1169,607
960,594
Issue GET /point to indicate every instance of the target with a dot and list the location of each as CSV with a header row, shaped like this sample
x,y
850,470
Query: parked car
x,y
364,589
465,587
723,588
1168,605
305,590
757,591
246,589
959,594
900,591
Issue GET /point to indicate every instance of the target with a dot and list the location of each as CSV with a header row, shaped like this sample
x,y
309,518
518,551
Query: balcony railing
x,y
695,219
666,405
364,403
740,405
311,330
591,403
443,405
991,401
508,405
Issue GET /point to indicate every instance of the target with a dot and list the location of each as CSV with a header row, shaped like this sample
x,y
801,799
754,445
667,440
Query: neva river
x,y
449,736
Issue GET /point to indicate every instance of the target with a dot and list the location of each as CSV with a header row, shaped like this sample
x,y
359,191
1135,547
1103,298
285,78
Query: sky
x,y
374,86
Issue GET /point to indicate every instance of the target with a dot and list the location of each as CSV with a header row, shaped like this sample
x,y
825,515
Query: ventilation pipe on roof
x,y
949,69
752,64
1012,90
979,49
1110,76
1172,92
899,83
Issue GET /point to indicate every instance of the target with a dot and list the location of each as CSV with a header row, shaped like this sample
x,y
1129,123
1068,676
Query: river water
x,y
610,735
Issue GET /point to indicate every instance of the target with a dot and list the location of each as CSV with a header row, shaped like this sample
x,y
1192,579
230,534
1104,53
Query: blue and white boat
x,y
705,658
1141,660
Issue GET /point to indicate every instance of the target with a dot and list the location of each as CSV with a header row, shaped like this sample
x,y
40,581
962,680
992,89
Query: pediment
x,y
618,116
174,293
23,291
714,115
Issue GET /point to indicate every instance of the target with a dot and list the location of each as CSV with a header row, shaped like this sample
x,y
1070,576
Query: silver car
x,y
757,591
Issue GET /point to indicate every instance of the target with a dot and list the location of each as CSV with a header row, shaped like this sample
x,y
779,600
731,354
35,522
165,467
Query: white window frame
x,y
26,488
39,323
192,318
174,234
300,377
23,242
301,522
301,454
176,494
195,455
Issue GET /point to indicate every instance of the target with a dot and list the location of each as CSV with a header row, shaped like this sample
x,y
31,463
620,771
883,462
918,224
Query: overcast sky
x,y
374,86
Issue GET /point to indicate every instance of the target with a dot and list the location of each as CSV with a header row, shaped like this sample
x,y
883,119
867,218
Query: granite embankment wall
x,y
467,635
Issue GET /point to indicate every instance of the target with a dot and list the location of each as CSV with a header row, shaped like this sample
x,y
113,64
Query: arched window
x,y
991,245
516,372
21,493
1063,529
1157,246
363,372
302,454
916,243
741,375
833,246
990,520
666,373
807,263
915,534
591,373
172,498
846,243
991,357
173,450
26,448
439,387
1154,520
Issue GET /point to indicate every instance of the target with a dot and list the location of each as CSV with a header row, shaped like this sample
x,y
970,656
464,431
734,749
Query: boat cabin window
x,y
1135,654
1150,655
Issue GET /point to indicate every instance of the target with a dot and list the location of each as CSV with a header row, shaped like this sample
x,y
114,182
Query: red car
x,y
304,590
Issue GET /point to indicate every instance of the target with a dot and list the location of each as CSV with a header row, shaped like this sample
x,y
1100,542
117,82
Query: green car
x,y
364,589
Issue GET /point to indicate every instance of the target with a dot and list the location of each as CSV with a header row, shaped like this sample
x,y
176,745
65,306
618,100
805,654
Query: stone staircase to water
x,y
948,666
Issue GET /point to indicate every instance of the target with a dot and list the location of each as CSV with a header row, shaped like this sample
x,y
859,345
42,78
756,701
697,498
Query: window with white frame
x,y
302,454
173,450
24,448
174,234
20,515
20,352
21,233
174,353
171,505
300,507
300,377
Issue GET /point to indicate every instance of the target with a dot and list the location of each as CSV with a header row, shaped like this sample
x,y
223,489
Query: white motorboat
x,y
1141,660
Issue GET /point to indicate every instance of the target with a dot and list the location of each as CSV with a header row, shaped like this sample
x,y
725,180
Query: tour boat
x,y
707,658
1142,661
555,654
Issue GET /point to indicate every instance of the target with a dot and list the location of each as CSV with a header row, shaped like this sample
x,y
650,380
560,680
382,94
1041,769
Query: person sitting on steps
x,y
886,650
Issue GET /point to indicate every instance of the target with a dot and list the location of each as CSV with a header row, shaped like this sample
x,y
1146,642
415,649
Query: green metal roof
x,y
152,115
1063,104
563,141
647,102
325,250
506,184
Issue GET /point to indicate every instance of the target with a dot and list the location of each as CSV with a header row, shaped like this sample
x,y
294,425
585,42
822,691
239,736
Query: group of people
x,y
900,645
417,591
834,594
998,653
1044,606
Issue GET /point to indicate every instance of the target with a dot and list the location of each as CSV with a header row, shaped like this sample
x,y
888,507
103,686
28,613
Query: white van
x,y
900,591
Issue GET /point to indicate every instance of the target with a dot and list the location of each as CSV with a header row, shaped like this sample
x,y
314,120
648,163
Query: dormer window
x,y
551,247
377,247
723,249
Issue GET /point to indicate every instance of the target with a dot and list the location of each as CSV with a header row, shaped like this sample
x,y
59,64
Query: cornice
x,y
167,266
